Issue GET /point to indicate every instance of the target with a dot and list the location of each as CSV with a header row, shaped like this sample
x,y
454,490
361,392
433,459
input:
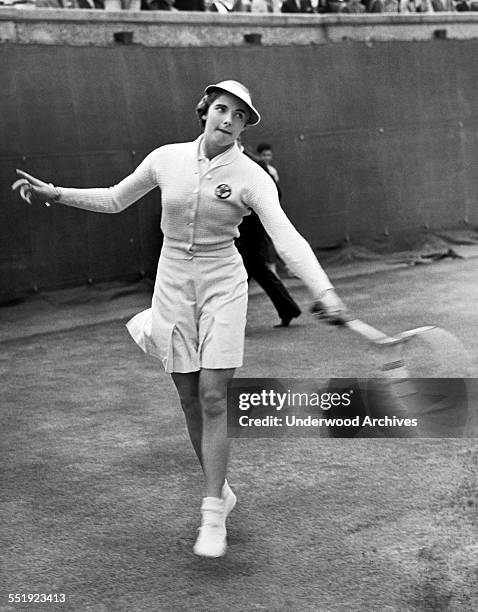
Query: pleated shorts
x,y
198,314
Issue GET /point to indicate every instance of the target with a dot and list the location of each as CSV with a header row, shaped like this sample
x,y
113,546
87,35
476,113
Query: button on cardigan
x,y
204,202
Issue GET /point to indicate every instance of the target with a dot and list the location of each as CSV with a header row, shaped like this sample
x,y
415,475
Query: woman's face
x,y
225,120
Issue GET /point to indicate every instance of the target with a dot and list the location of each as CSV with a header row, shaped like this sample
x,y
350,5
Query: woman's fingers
x,y
18,183
26,193
31,179
24,189
30,193
32,189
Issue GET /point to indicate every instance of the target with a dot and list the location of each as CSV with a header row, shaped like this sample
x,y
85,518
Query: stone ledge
x,y
162,29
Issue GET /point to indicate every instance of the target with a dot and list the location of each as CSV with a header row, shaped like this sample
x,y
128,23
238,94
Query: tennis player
x,y
196,323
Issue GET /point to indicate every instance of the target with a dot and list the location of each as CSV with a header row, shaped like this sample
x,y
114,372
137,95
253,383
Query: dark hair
x,y
204,104
263,146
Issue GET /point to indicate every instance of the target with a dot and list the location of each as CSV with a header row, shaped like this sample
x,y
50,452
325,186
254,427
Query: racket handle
x,y
368,332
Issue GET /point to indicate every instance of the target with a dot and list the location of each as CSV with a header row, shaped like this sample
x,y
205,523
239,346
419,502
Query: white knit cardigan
x,y
204,202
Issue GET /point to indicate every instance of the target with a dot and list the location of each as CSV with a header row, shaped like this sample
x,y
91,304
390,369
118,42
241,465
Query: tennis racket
x,y
390,347
423,352
422,374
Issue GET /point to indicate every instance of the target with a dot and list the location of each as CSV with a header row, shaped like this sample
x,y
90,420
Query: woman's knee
x,y
213,401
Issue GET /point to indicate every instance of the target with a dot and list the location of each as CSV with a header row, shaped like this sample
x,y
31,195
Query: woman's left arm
x,y
295,250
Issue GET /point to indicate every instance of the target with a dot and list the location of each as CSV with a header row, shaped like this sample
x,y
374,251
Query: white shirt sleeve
x,y
290,245
117,198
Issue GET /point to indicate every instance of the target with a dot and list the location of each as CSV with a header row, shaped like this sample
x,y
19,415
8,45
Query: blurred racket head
x,y
439,407
424,352
432,352
433,386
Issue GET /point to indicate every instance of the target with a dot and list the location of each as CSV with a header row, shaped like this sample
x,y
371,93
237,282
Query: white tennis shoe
x,y
211,541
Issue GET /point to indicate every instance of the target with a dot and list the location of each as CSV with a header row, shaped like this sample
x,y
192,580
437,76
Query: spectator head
x,y
264,151
231,87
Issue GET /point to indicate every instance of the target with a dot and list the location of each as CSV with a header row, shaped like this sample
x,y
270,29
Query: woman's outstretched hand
x,y
330,308
33,190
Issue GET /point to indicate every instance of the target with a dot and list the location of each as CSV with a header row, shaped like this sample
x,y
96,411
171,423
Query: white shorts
x,y
198,314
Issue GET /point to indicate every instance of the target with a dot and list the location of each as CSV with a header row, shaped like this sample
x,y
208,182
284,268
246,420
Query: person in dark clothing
x,y
157,5
189,5
296,6
252,244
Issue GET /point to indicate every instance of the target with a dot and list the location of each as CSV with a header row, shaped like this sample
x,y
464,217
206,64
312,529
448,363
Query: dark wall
x,y
368,139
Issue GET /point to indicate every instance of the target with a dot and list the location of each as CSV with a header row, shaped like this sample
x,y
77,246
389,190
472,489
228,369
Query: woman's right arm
x,y
104,199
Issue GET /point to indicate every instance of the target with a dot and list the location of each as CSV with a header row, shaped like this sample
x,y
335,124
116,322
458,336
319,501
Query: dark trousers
x,y
284,303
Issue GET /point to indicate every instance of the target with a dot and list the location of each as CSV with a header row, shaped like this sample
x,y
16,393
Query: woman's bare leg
x,y
215,444
211,541
187,386
203,398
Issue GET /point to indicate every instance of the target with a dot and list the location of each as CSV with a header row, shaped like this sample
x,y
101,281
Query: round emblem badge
x,y
223,191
